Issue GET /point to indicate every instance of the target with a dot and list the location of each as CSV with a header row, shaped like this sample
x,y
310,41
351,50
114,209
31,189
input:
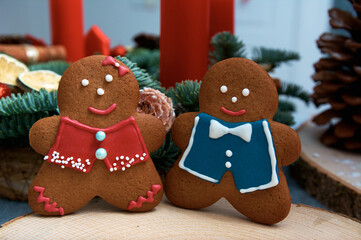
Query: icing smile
x,y
103,112
229,112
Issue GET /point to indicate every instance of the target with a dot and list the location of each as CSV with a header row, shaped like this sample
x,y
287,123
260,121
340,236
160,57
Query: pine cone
x,y
339,80
158,104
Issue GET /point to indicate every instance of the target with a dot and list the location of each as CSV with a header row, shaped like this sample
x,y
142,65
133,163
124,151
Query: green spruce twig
x,y
225,45
142,76
185,96
272,58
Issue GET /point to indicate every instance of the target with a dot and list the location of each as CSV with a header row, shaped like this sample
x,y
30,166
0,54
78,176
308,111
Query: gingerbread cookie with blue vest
x,y
98,145
232,148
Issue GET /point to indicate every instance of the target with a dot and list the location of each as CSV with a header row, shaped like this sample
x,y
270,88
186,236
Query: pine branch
x,y
166,155
16,126
56,66
143,78
272,58
284,117
294,90
31,102
185,96
286,106
226,46
147,59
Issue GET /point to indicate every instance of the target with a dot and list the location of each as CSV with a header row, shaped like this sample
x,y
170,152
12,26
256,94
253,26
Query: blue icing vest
x,y
251,158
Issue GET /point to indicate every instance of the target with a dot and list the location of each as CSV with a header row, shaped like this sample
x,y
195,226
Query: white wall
x,y
285,24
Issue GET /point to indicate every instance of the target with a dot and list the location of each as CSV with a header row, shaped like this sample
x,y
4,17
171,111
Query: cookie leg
x,y
267,206
188,191
57,191
137,189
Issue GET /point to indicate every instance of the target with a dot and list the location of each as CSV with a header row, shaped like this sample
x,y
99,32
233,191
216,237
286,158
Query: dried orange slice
x,y
35,80
10,68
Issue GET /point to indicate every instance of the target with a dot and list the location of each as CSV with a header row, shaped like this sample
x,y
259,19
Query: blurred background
x,y
283,24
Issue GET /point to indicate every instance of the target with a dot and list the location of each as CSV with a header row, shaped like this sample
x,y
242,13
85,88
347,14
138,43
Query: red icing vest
x,y
78,146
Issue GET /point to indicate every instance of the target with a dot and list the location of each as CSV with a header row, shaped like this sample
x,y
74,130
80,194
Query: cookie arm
x,y
287,143
182,129
43,133
152,131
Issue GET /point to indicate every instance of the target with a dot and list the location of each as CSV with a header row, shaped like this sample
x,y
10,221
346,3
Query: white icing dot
x,y
108,78
79,160
228,164
85,82
137,155
115,169
229,153
234,99
117,64
127,158
224,89
100,91
122,162
111,169
117,158
88,163
128,165
141,158
121,157
123,168
84,170
62,166
245,92
114,164
144,154
46,157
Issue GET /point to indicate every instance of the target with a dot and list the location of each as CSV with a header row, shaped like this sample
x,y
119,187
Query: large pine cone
x,y
339,80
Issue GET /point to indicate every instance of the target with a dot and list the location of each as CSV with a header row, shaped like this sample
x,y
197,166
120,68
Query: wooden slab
x,y
99,220
331,175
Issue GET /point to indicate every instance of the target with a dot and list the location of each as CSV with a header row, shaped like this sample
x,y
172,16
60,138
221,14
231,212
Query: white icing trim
x,y
186,152
274,179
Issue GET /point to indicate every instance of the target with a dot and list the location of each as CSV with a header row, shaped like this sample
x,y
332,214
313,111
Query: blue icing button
x,y
101,153
100,135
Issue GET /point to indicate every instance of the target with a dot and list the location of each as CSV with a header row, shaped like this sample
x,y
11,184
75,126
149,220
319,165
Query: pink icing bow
x,y
111,61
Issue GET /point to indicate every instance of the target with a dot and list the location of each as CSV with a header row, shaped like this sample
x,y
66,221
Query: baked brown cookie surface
x,y
98,145
231,148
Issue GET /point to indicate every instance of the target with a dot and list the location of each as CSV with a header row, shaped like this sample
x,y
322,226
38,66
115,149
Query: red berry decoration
x,y
4,90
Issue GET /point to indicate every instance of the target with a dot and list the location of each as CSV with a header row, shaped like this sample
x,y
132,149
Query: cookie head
x,y
98,91
238,90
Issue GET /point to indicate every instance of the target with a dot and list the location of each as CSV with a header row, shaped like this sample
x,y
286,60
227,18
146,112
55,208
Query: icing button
x,y
100,135
228,164
229,153
101,153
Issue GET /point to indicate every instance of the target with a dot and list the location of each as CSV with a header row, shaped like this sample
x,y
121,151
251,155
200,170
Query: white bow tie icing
x,y
217,130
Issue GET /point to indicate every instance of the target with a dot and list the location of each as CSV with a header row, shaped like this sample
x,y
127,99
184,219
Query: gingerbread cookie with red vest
x,y
232,148
98,145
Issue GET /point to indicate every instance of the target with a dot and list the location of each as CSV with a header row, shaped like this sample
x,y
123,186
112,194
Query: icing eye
x,y
108,78
100,91
224,89
85,82
245,92
234,99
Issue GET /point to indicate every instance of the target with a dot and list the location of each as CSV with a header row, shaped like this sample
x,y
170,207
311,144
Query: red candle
x,y
67,26
221,17
184,36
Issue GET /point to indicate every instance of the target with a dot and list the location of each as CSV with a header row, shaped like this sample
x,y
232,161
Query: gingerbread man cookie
x,y
231,148
98,145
